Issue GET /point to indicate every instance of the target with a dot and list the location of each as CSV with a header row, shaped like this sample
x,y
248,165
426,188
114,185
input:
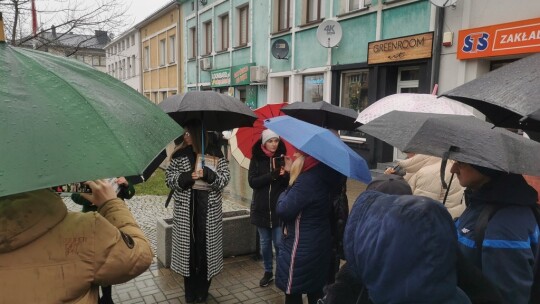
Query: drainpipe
x,y
437,42
196,45
2,34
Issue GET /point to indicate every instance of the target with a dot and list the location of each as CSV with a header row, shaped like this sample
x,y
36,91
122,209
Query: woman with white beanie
x,y
268,179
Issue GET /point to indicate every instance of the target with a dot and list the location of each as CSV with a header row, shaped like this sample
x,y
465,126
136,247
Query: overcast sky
x,y
140,9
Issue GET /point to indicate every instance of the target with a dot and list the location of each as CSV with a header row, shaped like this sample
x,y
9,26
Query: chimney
x,y
53,30
2,36
102,37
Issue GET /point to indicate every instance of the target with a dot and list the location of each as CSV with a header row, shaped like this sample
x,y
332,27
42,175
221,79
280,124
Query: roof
x,y
97,41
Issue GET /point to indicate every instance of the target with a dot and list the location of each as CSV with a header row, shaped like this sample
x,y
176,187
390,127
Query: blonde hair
x,y
296,168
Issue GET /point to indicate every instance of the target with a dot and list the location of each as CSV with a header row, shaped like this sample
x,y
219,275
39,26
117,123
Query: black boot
x,y
267,278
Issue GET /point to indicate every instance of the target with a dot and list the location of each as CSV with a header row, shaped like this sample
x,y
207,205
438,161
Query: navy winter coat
x,y
511,236
266,187
403,248
305,252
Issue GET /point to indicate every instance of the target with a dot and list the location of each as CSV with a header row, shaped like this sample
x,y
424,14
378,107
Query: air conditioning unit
x,y
206,64
258,73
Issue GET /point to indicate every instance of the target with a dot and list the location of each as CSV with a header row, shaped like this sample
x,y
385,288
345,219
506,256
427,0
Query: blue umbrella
x,y
322,145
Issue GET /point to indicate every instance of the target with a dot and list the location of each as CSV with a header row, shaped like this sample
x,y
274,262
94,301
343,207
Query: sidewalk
x,y
237,283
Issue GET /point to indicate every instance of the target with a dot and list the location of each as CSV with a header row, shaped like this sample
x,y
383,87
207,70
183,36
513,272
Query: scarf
x,y
309,162
266,151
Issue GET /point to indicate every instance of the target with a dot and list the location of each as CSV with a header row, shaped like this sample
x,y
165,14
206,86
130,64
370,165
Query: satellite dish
x,y
443,3
280,49
329,33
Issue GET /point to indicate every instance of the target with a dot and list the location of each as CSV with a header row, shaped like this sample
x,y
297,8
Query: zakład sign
x,y
517,37
231,76
400,49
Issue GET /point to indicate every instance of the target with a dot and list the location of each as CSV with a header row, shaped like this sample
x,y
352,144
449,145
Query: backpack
x,y
480,230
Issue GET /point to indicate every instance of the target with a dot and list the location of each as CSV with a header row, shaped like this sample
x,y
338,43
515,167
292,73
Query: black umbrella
x,y
217,111
462,138
323,114
507,96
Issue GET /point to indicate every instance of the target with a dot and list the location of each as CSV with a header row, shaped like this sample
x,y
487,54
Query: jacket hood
x,y
507,189
417,162
403,248
26,216
257,152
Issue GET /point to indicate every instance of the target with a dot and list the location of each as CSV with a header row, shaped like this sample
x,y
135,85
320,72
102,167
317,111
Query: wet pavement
x,y
237,283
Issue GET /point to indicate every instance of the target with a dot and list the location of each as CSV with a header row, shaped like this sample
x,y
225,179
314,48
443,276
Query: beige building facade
x,y
161,64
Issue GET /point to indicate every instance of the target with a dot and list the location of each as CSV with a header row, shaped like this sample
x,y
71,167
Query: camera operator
x,y
50,255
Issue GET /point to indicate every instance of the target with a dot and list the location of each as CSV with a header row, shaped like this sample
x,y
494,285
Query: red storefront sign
x,y
501,39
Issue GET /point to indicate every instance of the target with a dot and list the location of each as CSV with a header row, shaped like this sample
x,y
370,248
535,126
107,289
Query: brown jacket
x,y
50,255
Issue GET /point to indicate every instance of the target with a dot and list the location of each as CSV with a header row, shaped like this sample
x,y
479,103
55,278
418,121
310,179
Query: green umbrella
x,y
62,121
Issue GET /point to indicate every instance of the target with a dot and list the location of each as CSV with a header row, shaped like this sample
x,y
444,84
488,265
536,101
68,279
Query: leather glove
x,y
185,180
209,176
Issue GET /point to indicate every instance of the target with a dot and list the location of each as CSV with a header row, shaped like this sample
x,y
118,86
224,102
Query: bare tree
x,y
64,16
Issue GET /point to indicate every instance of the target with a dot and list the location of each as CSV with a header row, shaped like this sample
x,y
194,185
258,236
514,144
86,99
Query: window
x,y
354,5
129,67
146,57
163,96
354,94
243,25
313,88
95,60
313,10
134,66
224,39
192,40
284,8
162,52
208,38
172,49
102,60
132,39
285,89
408,79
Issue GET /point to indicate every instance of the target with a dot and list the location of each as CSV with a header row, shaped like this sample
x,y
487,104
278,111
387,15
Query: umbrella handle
x,y
448,189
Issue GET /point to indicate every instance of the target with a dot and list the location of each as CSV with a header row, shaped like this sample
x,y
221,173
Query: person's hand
x,y
389,170
122,181
102,192
196,174
288,164
282,171
208,175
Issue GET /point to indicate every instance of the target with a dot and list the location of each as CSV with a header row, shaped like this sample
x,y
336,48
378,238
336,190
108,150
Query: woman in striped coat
x,y
197,240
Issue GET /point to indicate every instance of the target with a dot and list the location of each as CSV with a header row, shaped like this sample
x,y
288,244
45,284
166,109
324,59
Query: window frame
x,y
172,49
146,53
193,51
279,15
224,22
304,86
308,11
162,51
361,5
208,37
243,38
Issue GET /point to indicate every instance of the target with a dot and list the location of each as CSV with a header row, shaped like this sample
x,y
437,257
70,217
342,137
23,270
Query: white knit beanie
x,y
268,134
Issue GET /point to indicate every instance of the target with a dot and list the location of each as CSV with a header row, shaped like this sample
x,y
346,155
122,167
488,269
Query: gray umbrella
x,y
506,95
323,114
462,138
217,111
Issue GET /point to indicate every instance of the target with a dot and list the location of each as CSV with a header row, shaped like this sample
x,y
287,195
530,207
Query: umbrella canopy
x,y
217,111
243,139
411,102
506,95
63,122
462,138
323,114
322,144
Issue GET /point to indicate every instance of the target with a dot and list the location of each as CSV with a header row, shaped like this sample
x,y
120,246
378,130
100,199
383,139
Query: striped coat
x,y
181,217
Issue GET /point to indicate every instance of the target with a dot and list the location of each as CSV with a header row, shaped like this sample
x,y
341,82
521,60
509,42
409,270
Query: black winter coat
x,y
266,186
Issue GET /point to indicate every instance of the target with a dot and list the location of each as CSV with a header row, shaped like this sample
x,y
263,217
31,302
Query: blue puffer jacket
x,y
304,209
511,236
403,248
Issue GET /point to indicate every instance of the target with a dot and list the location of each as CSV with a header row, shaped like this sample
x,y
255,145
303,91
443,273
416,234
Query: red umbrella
x,y
243,139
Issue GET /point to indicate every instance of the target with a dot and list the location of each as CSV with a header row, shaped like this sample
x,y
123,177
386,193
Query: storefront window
x,y
408,80
313,88
354,94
